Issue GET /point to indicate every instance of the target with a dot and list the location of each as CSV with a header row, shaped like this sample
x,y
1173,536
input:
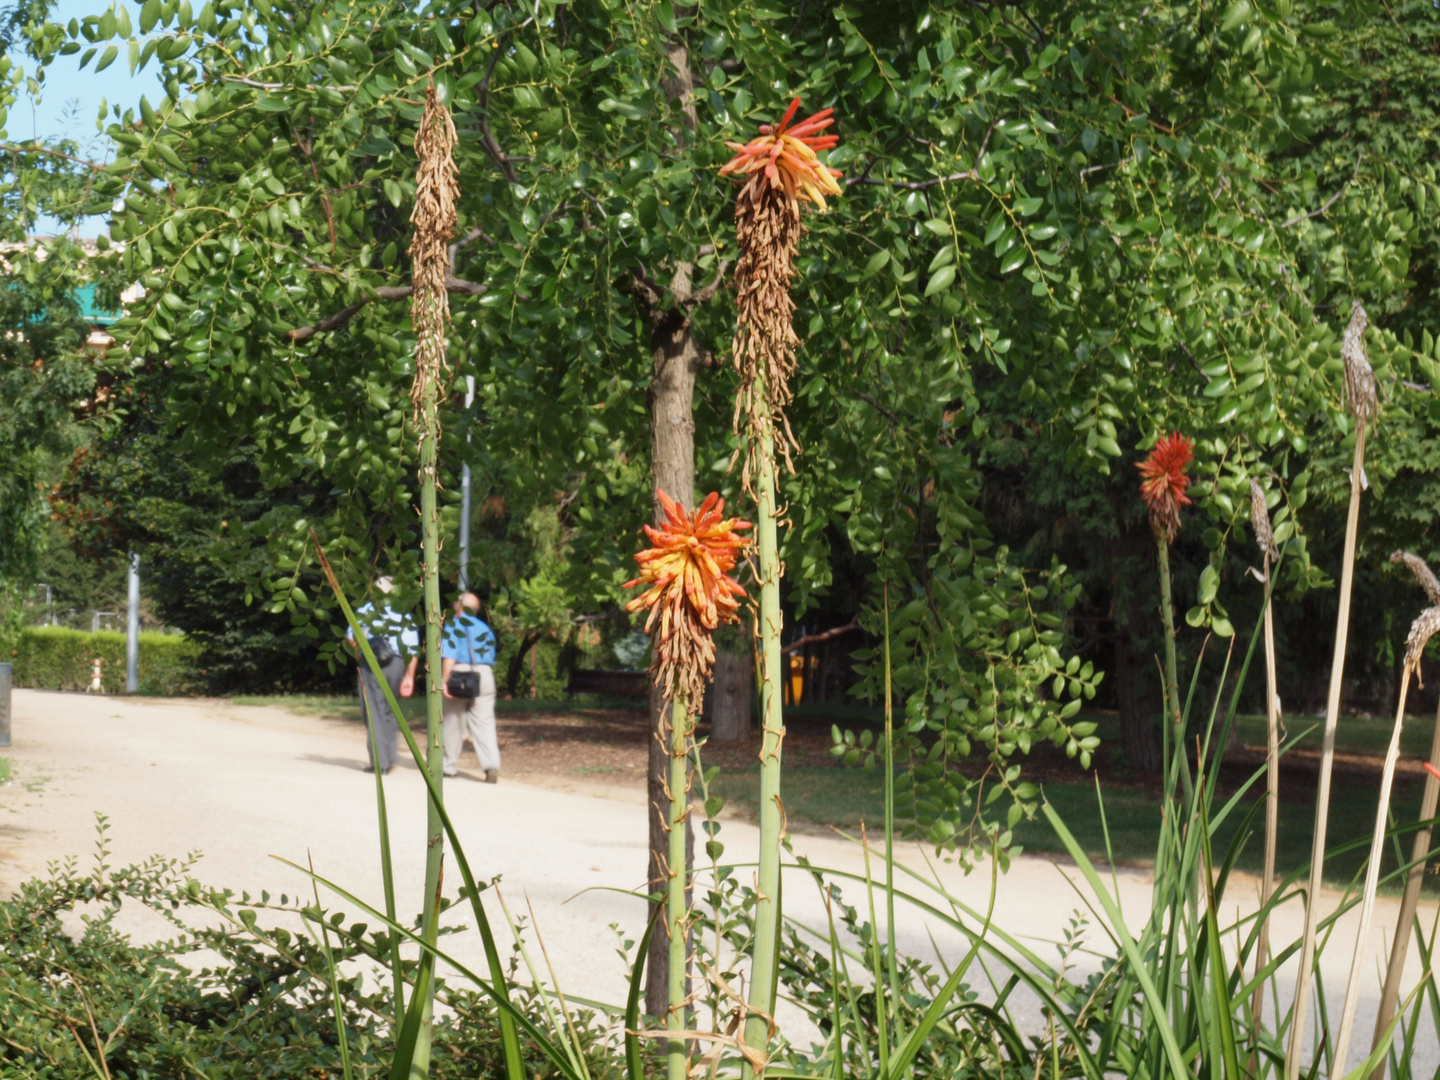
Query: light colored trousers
x,y
473,719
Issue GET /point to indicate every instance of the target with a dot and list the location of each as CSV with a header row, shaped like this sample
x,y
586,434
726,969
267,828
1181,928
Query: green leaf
x,y
1209,585
624,108
941,280
107,58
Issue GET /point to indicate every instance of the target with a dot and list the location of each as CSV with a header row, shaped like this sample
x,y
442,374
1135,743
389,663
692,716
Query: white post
x,y
465,497
132,629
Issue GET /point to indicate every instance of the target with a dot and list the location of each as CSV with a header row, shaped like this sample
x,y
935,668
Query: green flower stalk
x,y
689,593
437,185
1163,485
781,171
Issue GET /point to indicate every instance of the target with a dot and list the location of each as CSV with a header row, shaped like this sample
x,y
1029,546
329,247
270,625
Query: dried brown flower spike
x,y
437,186
1260,521
1359,377
1421,631
782,172
1424,576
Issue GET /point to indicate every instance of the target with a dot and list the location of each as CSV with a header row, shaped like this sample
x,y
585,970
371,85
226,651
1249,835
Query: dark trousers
x,y
378,712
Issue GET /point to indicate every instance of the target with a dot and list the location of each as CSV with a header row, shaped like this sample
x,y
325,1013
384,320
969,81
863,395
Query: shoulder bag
x,y
465,685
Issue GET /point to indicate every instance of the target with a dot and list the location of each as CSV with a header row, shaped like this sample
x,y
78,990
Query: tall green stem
x,y
434,705
676,909
1172,675
767,905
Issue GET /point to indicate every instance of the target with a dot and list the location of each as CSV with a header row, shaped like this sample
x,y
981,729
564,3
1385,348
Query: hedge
x,y
55,658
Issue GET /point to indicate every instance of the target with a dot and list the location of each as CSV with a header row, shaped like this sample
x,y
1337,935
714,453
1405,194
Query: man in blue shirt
x,y
392,638
468,644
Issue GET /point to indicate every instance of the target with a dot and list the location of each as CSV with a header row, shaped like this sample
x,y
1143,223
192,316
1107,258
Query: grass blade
x,y
1127,943
634,1059
497,994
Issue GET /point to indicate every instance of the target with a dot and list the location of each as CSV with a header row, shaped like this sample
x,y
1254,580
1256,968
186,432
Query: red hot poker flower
x,y
785,157
690,592
1163,482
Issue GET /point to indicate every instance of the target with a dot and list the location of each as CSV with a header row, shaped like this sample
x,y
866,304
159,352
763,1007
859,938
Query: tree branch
x,y
914,185
1328,202
706,294
271,86
465,241
922,185
11,148
384,292
811,639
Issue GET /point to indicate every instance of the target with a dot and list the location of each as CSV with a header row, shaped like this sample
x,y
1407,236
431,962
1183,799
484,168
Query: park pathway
x,y
241,784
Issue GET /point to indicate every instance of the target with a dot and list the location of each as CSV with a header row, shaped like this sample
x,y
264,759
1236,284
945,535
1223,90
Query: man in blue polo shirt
x,y
468,644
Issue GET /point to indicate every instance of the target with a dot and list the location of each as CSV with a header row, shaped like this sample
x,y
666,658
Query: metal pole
x,y
465,497
132,629
7,679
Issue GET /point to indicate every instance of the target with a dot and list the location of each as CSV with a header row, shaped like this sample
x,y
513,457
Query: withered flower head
x,y
1359,377
783,158
1421,631
1163,483
1424,576
1260,521
689,592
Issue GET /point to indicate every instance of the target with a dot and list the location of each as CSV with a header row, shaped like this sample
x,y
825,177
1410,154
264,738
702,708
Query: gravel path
x,y
241,784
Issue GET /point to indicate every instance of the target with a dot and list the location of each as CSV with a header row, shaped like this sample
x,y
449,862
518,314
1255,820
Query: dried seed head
x,y
1359,377
1421,631
1260,520
767,226
437,186
1424,576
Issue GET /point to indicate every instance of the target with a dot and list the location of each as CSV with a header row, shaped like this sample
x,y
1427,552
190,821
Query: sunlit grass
x,y
843,798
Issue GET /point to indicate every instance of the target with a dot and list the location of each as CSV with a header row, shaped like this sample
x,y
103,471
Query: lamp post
x,y
49,602
465,495
132,628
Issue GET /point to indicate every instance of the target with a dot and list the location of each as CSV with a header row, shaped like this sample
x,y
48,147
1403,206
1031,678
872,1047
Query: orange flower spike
x,y
1163,482
787,156
686,565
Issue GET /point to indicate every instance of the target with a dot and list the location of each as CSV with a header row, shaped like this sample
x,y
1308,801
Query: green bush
x,y
94,1004
54,658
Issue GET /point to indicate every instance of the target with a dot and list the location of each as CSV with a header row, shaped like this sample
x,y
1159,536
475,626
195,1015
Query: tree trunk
x,y
517,662
1138,700
732,699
